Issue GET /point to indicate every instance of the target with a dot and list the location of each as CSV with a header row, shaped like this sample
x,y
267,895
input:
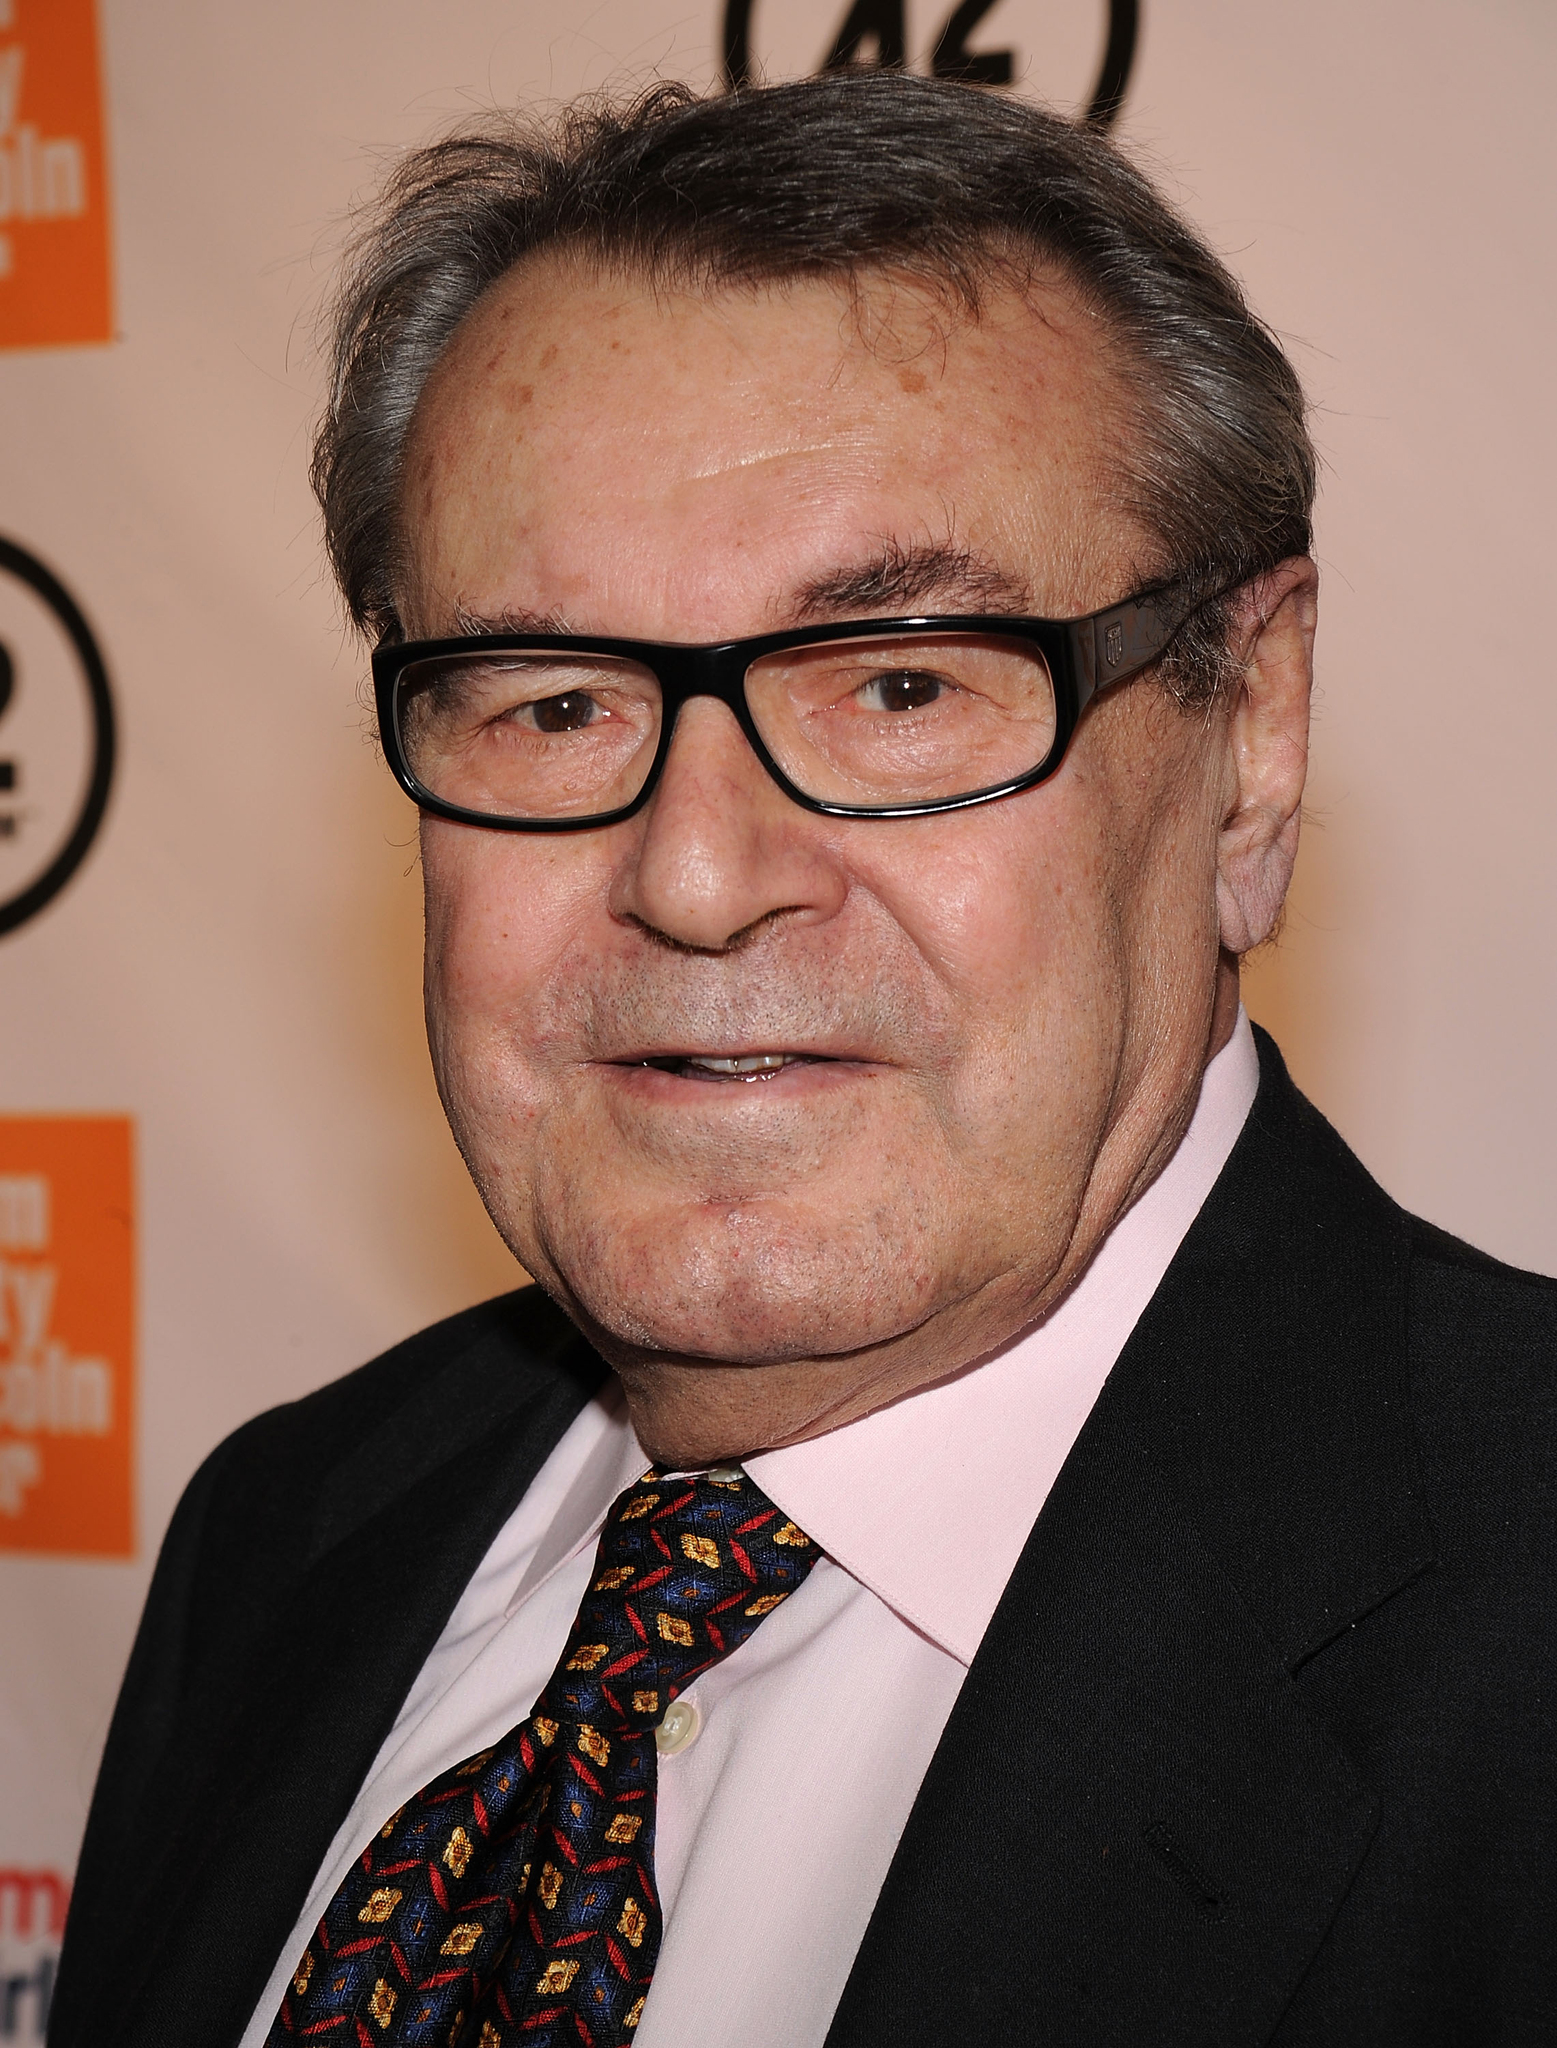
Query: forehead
x,y
681,464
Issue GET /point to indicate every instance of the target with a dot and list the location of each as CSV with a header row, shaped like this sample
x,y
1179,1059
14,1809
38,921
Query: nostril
x,y
735,942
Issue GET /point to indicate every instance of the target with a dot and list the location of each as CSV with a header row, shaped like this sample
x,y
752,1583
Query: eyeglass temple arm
x,y
1114,645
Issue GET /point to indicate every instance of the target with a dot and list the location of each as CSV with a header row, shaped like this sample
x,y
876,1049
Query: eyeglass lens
x,y
869,723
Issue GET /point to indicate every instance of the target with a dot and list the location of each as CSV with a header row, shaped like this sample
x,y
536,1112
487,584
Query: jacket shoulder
x,y
523,1332
332,1490
1438,1248
290,1482
1479,1320
1481,1335
472,1365
1483,1343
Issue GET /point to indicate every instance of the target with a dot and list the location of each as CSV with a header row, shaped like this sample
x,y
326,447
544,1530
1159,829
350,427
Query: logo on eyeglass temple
x,y
876,33
1113,646
56,736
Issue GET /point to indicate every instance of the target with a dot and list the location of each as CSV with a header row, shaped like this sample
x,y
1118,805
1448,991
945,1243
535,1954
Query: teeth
x,y
747,1063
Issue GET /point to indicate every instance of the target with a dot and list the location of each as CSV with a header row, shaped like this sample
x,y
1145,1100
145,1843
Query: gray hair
x,y
842,177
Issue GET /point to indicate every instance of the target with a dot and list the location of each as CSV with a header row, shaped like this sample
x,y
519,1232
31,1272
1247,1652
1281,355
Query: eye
x,y
570,712
902,689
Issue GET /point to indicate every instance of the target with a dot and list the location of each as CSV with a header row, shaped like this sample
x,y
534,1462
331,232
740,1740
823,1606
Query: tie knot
x,y
686,1570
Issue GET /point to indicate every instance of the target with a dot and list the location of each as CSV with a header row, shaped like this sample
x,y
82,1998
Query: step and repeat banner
x,y
224,1177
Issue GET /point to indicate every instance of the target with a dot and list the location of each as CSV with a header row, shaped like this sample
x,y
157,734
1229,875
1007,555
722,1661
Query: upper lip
x,y
758,1053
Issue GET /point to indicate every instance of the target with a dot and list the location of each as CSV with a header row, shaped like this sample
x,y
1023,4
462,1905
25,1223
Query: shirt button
x,y
679,1727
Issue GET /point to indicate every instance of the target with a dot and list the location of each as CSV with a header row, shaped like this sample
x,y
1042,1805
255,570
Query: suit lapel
x,y
1134,1828
408,1515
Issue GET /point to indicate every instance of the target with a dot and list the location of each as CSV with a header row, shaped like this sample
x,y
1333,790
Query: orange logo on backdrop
x,y
53,187
67,1322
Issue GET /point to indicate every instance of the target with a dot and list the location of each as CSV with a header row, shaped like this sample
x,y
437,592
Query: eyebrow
x,y
897,580
513,619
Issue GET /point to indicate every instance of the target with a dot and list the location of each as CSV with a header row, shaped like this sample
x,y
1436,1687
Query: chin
x,y
744,1288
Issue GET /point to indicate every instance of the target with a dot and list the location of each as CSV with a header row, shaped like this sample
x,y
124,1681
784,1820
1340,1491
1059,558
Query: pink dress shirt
x,y
778,1818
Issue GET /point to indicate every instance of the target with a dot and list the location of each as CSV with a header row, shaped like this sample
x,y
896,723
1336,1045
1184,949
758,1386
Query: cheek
x,y
503,909
1020,923
1012,907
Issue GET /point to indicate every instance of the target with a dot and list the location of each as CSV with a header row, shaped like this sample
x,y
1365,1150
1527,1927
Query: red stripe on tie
x,y
743,1560
587,1775
623,1664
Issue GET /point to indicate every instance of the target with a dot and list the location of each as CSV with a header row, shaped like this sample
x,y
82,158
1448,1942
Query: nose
x,y
721,851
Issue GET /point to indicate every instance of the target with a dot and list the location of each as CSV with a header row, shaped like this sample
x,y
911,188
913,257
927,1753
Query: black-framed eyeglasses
x,y
877,718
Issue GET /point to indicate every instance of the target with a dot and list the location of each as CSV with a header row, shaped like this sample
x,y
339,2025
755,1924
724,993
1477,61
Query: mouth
x,y
744,1069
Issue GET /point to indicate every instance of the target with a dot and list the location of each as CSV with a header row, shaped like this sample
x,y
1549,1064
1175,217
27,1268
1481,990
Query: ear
x,y
1267,742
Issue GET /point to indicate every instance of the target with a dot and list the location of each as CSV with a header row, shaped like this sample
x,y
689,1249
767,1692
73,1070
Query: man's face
x,y
997,1017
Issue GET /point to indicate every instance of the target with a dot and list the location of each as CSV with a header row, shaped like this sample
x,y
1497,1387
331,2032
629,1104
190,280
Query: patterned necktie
x,y
513,1899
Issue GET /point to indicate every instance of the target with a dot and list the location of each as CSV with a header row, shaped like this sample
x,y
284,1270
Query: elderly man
x,y
991,1526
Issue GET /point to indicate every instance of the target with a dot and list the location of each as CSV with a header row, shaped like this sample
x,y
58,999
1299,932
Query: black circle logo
x,y
56,736
878,25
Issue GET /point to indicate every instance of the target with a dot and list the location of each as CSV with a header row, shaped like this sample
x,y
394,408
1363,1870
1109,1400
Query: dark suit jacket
x,y
1258,1747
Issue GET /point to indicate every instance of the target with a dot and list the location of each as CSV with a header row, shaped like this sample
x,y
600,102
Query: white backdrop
x,y
235,966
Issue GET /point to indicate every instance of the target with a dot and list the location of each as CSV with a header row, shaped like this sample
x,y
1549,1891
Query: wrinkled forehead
x,y
615,454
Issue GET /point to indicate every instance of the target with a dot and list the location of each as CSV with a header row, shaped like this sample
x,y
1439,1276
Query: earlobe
x,y
1267,740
